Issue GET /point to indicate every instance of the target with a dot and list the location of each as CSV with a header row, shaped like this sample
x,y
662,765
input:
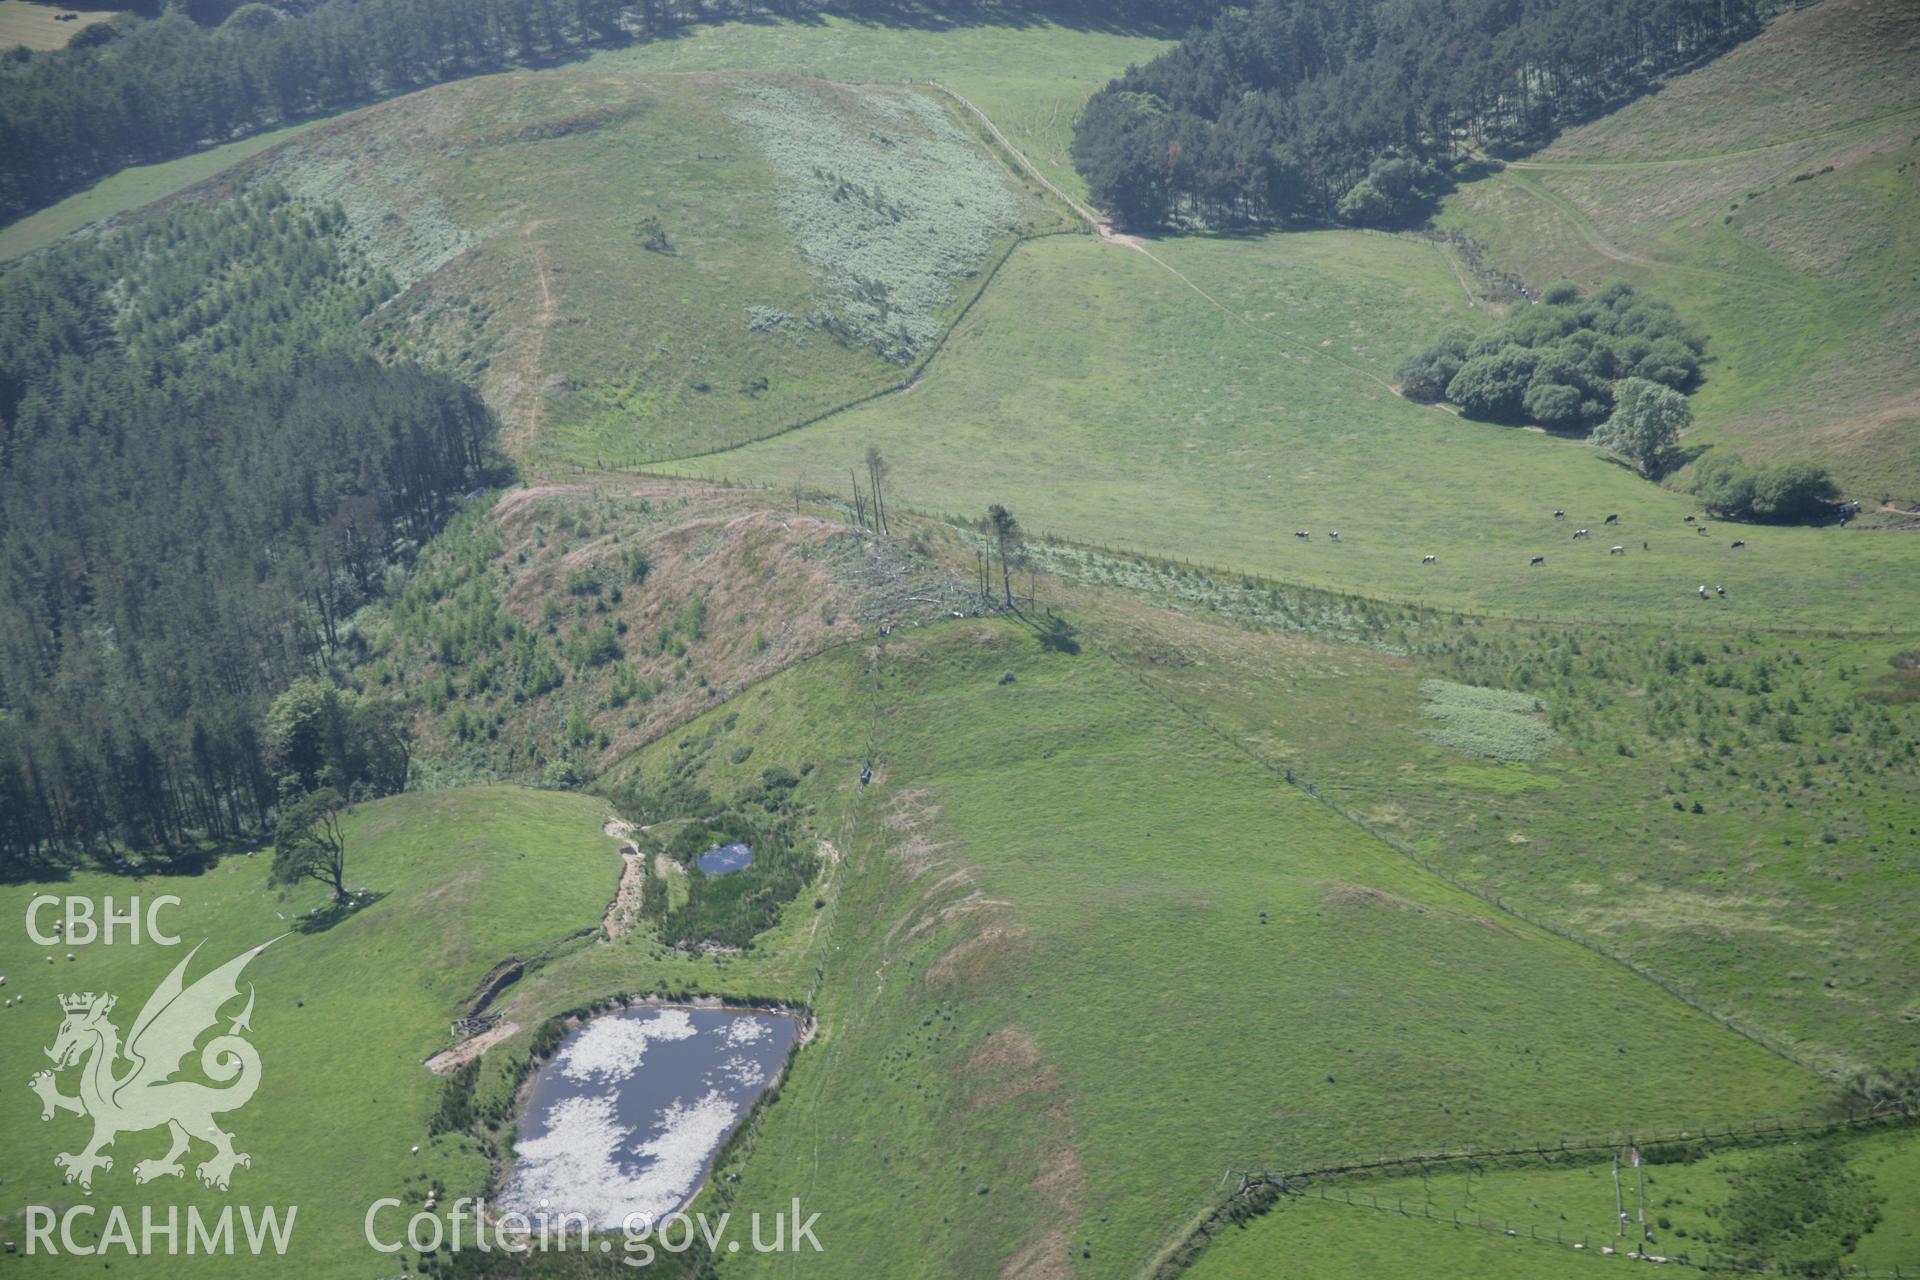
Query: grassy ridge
x,y
614,258
1029,72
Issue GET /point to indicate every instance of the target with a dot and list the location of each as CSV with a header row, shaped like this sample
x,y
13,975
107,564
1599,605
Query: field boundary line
x,y
1093,220
1267,580
1258,1190
1108,235
916,372
918,369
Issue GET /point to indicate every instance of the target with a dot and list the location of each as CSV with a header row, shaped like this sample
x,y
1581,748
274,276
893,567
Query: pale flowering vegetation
x,y
1496,723
889,202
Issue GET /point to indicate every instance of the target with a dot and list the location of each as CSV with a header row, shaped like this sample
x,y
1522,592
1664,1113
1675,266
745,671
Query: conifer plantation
x,y
200,477
1356,111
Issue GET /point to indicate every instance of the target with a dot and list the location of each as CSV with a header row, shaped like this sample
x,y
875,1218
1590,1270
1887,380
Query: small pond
x,y
626,1115
723,858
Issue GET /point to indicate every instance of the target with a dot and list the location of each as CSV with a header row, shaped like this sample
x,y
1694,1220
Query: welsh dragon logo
x,y
143,1096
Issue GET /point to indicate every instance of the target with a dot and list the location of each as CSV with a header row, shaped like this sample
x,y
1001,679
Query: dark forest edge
x,y
201,477
140,91
1363,113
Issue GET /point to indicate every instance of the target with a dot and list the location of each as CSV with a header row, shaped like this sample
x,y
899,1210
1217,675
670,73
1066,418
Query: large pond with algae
x,y
621,1124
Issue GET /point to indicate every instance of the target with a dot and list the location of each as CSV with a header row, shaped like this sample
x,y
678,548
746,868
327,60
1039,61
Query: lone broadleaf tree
x,y
1647,421
308,844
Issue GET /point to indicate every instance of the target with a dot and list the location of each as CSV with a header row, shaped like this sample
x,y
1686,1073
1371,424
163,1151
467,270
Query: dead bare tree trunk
x,y
876,473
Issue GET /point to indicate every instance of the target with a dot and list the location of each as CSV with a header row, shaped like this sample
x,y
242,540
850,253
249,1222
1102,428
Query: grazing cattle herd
x,y
1618,549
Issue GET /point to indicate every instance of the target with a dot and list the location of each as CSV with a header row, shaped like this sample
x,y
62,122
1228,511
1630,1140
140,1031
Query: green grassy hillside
x,y
1768,195
1054,1011
636,265
1248,875
1030,71
342,1020
1733,813
1213,426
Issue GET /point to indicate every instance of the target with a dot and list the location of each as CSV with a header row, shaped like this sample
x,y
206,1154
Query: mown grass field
x,y
1053,1012
343,1018
38,26
1105,400
1768,195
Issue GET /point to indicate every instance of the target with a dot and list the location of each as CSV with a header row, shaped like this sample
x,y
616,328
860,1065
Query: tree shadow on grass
x,y
192,859
1056,634
324,918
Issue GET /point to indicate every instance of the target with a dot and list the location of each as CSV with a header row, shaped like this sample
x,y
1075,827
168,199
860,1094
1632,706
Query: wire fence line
x,y
1767,1129
1255,1191
1416,603
1584,1242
